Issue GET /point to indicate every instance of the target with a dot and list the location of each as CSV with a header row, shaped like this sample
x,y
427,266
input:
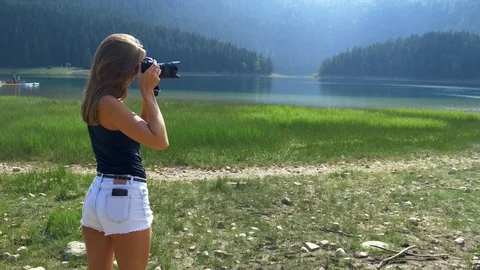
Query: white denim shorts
x,y
128,211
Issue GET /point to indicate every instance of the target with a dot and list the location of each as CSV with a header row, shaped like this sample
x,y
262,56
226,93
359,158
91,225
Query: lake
x,y
292,91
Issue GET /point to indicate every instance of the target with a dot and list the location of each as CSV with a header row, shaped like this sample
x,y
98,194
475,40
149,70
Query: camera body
x,y
169,70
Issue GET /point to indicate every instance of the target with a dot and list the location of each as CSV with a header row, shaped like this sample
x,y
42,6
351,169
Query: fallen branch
x,y
385,261
442,256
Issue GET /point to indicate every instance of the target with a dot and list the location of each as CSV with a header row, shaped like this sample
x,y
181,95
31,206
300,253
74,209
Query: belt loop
x,y
130,179
101,179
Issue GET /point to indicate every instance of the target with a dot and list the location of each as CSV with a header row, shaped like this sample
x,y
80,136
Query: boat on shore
x,y
4,83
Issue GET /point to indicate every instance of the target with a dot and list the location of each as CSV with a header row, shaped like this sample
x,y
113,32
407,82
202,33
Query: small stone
x,y
304,249
220,225
177,254
26,267
228,168
192,248
413,221
370,244
324,243
453,171
222,254
13,258
64,262
278,227
311,246
22,250
254,228
297,183
31,195
335,226
185,230
16,169
76,249
287,201
205,253
340,252
408,203
37,268
209,231
361,255
243,235
467,190
158,268
460,241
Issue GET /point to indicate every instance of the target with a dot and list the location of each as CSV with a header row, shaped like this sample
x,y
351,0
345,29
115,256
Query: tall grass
x,y
212,134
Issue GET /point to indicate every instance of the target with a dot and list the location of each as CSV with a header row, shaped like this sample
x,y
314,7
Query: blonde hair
x,y
114,66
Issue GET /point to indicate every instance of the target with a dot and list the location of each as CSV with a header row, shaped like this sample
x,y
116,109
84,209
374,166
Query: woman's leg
x,y
99,249
132,249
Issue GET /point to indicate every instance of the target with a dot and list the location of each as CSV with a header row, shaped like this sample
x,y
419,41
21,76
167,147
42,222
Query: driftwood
x,y
385,261
404,252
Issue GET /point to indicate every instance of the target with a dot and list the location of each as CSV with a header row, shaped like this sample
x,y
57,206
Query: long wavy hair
x,y
114,67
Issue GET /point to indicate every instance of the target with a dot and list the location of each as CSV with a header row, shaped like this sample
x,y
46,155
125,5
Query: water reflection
x,y
218,84
289,91
18,90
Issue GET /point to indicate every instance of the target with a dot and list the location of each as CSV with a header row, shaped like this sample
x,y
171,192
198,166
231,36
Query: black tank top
x,y
115,152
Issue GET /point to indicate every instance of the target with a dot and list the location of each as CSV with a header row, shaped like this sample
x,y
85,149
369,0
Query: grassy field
x,y
41,210
215,135
258,223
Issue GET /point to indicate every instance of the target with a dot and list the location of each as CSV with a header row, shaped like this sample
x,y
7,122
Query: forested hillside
x,y
35,34
435,55
298,34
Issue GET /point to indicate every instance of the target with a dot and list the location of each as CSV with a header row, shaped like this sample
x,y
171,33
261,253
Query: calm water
x,y
293,91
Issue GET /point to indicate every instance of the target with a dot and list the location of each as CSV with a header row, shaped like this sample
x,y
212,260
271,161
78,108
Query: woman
x,y
116,216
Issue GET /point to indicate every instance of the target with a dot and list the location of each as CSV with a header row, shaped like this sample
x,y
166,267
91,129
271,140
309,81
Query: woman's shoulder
x,y
109,100
111,105
110,110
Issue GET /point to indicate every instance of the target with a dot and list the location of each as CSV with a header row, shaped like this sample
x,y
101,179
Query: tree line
x,y
434,55
34,35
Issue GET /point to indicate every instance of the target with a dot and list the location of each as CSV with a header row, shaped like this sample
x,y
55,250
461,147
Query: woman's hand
x,y
149,79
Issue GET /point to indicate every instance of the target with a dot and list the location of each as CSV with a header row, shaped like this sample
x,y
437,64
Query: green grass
x,y
36,213
212,134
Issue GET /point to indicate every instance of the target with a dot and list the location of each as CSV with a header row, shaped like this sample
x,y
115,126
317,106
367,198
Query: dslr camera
x,y
169,70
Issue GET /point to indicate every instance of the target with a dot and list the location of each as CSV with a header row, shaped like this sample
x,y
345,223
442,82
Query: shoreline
x,y
400,79
79,72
